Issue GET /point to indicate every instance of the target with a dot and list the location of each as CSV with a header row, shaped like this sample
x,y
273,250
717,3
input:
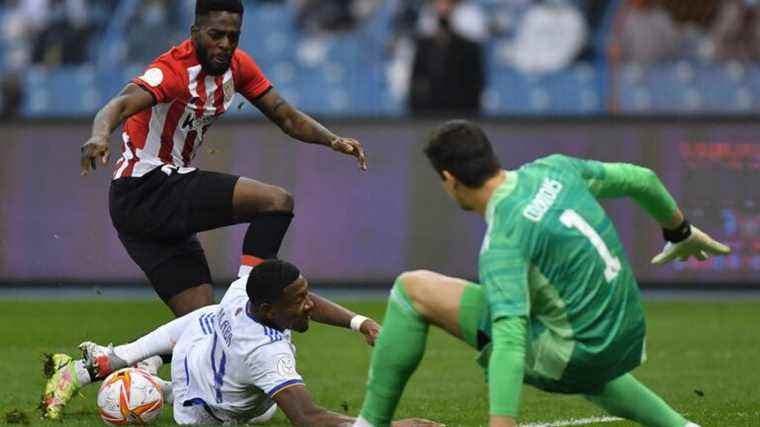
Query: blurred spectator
x,y
735,31
465,18
153,29
549,37
64,32
23,21
448,72
647,34
404,21
594,12
324,15
11,96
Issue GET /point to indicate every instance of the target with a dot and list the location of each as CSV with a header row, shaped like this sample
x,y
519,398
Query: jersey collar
x,y
501,192
256,319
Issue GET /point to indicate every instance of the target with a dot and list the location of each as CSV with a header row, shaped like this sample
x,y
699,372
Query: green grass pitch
x,y
704,359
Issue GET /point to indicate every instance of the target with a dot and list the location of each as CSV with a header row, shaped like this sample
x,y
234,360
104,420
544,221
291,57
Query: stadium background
x,y
685,110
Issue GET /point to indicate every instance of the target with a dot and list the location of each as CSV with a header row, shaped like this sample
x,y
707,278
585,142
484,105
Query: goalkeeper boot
x,y
100,360
61,386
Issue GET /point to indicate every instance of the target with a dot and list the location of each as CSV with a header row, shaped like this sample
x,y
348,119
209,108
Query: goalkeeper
x,y
558,306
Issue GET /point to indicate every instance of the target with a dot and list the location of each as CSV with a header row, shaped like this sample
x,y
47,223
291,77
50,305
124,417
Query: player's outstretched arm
x,y
330,313
296,403
131,100
304,128
643,185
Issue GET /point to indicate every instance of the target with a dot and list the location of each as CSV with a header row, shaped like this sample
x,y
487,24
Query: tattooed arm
x,y
304,128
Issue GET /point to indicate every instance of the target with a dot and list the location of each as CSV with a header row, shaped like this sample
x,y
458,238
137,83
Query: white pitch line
x,y
573,422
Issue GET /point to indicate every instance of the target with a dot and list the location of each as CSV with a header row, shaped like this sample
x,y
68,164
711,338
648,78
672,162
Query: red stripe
x,y
137,133
131,164
219,95
187,149
138,128
200,103
250,260
170,126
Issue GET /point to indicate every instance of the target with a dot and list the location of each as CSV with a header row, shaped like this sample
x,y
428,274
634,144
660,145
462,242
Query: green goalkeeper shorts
x,y
547,365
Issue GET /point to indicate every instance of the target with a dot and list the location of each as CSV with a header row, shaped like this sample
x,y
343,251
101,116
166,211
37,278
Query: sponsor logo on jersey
x,y
543,200
197,123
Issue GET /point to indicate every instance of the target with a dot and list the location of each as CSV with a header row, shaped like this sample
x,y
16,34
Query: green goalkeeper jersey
x,y
552,255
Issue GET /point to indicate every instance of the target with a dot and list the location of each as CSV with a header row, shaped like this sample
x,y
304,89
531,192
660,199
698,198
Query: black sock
x,y
263,239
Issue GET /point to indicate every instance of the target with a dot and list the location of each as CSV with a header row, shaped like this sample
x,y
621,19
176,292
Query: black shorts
x,y
157,216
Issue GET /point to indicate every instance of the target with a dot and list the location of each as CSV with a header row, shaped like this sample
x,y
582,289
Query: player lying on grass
x,y
234,362
158,202
558,305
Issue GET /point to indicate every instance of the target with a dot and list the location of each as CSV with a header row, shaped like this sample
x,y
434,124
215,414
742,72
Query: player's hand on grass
x,y
502,421
96,148
698,245
416,422
370,329
351,147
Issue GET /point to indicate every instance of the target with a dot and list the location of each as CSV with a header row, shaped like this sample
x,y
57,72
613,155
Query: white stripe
x,y
149,155
125,156
573,422
228,77
209,322
180,134
192,73
209,108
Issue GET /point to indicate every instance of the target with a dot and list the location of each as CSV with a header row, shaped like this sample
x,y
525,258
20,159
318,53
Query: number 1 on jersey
x,y
571,219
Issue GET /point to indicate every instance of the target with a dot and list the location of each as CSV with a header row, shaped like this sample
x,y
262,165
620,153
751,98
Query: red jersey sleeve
x,y
161,81
249,79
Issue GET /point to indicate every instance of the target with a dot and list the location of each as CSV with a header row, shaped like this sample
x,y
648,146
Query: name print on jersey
x,y
225,327
544,199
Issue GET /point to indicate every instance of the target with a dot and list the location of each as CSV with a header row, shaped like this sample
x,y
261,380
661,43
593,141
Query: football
x,y
130,396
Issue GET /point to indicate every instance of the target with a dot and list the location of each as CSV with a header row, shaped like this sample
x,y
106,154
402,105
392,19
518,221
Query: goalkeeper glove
x,y
687,241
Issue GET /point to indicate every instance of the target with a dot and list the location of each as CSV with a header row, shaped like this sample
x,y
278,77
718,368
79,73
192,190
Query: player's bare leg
x,y
191,299
269,209
436,297
252,197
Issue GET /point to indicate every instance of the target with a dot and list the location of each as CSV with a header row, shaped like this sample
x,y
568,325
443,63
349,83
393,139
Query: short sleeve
x,y
273,368
249,79
162,81
504,274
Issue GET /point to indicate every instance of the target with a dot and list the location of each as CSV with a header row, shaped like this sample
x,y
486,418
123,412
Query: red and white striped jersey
x,y
188,101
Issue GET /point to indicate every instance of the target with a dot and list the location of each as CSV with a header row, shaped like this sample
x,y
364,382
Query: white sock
x,y
690,424
244,270
160,341
361,422
151,364
83,375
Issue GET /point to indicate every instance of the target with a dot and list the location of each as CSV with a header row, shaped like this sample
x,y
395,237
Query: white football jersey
x,y
232,363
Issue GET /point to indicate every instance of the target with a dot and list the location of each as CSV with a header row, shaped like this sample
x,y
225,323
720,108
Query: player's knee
x,y
415,283
281,201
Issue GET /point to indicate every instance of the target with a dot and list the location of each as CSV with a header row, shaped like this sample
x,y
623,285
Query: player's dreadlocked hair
x,y
463,149
268,279
203,7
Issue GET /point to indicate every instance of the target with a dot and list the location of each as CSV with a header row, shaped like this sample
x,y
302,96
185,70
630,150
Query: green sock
x,y
625,397
397,352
